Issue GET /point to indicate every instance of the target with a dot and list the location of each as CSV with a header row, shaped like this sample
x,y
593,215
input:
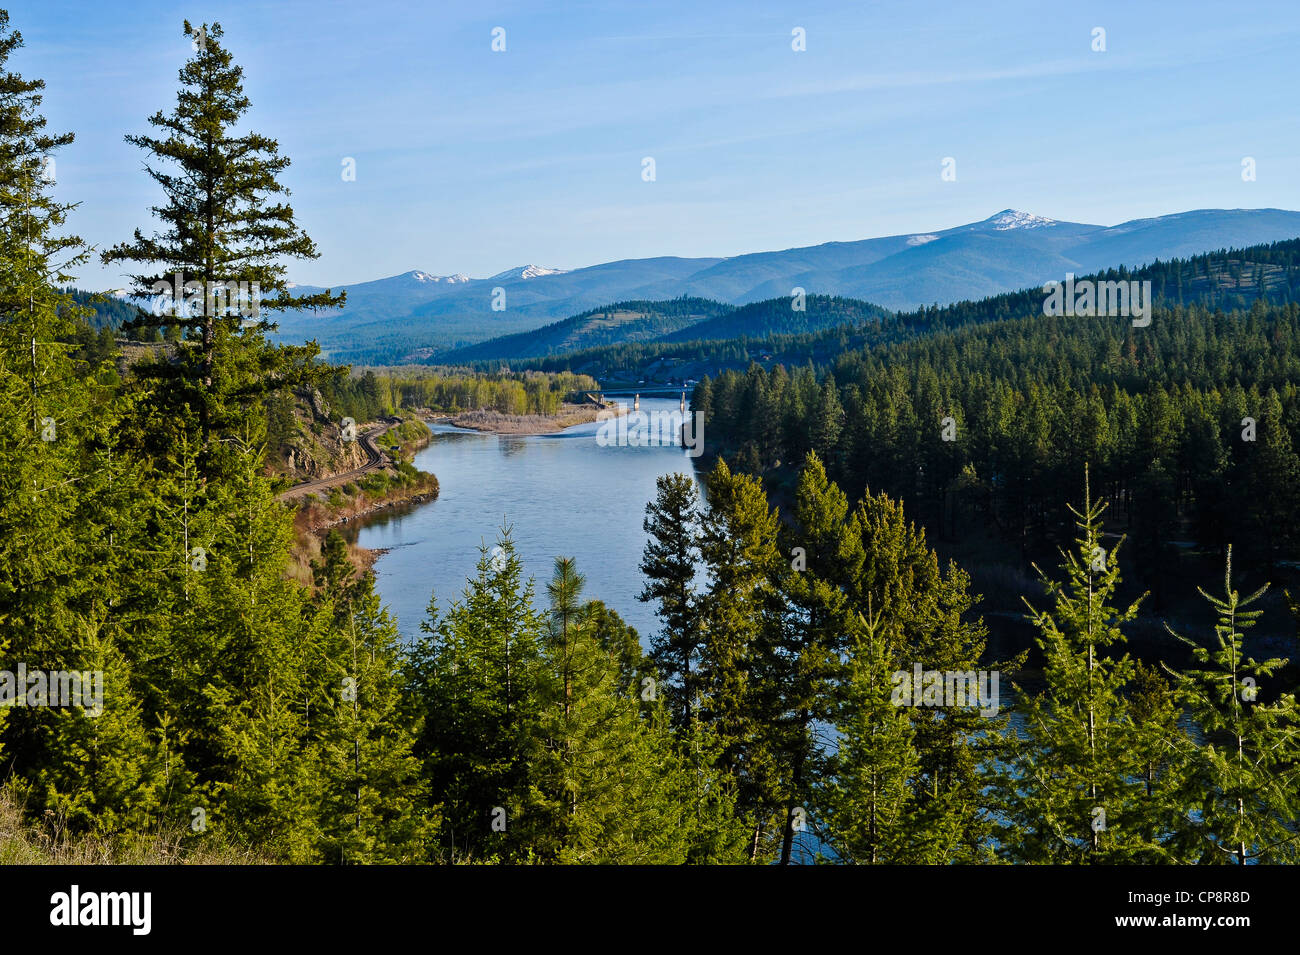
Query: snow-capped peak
x,y
1015,219
528,272
537,271
419,276
921,239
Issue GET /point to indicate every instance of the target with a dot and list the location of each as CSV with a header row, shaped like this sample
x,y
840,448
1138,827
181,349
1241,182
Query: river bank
x,y
343,500
316,518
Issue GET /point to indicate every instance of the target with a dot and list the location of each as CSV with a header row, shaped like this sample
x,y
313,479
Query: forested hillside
x,y
793,315
619,322
675,320
1189,425
416,316
1227,279
99,310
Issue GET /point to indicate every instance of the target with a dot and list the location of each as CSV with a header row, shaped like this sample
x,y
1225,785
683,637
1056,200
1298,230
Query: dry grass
x,y
314,518
25,842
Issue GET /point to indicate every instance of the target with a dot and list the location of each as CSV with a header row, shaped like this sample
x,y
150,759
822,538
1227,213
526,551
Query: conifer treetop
x,y
224,218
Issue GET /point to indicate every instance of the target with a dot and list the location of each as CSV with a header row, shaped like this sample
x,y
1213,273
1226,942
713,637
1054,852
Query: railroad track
x,y
375,459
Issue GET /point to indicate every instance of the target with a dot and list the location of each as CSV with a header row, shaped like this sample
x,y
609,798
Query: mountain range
x,y
419,316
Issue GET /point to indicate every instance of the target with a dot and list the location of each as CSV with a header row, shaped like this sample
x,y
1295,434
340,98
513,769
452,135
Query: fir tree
x,y
1242,795
1162,749
58,417
246,660
609,777
893,572
823,546
107,773
622,645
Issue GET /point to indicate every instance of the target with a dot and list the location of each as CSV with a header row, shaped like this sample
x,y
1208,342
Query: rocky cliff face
x,y
316,447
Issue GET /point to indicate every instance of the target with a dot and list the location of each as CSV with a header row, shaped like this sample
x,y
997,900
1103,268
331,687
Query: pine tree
x,y
222,224
670,566
373,800
828,422
1242,794
823,546
741,622
866,807
1074,789
1272,476
473,679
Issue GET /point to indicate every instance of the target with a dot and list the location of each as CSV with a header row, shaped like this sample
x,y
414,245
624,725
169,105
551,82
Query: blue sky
x,y
473,161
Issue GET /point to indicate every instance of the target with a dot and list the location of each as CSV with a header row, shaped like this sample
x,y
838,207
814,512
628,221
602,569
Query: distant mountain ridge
x,y
617,323
418,315
1225,280
675,320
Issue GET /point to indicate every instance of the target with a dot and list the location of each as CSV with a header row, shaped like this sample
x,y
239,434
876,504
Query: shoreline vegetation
x,y
357,494
316,518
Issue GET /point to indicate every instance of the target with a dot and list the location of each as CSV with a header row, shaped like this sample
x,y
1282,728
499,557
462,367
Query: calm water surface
x,y
562,494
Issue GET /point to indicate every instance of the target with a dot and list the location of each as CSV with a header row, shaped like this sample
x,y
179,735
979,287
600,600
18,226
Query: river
x,y
563,494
